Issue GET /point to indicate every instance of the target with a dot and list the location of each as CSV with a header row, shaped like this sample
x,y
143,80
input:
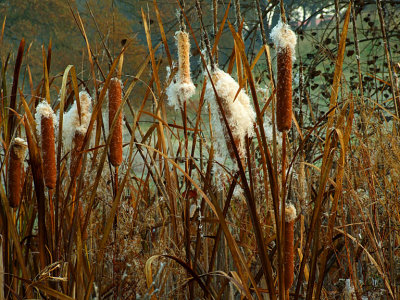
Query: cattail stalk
x,y
15,171
290,216
115,100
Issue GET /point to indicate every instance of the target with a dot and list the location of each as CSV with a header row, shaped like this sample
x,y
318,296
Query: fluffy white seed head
x,y
284,37
240,113
44,110
290,213
19,147
71,122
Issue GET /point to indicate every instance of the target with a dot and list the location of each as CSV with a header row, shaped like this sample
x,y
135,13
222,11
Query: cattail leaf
x,y
28,113
221,29
14,90
37,173
162,32
339,65
149,277
51,292
152,58
46,77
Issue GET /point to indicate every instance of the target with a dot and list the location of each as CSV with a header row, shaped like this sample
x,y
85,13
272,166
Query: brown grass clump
x,y
115,99
290,216
45,115
15,171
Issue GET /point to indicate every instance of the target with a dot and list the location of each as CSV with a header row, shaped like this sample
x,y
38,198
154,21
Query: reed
x,y
15,171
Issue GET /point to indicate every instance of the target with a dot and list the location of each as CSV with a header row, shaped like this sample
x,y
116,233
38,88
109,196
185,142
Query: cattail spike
x,y
115,100
182,88
285,40
15,171
46,118
284,90
290,216
238,112
76,159
183,55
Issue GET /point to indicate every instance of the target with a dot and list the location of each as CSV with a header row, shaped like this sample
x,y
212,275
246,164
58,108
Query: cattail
x,y
76,159
239,113
46,118
15,171
183,55
115,100
182,87
285,41
290,216
72,123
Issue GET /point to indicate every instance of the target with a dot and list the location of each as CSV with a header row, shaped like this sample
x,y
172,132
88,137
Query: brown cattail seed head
x,y
115,100
45,117
290,216
285,41
182,87
284,90
76,159
15,171
183,54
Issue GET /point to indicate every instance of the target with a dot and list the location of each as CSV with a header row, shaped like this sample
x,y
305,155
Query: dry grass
x,y
171,212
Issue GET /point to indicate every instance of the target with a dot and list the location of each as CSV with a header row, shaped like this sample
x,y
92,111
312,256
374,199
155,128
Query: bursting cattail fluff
x,y
71,119
290,216
46,119
285,41
239,112
15,171
74,131
115,100
182,87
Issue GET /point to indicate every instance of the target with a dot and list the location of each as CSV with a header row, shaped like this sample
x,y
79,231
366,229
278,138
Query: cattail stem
x,y
205,35
290,217
115,100
284,89
15,171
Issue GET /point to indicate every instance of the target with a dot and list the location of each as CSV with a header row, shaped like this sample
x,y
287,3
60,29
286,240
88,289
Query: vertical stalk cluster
x,y
115,100
45,118
15,171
